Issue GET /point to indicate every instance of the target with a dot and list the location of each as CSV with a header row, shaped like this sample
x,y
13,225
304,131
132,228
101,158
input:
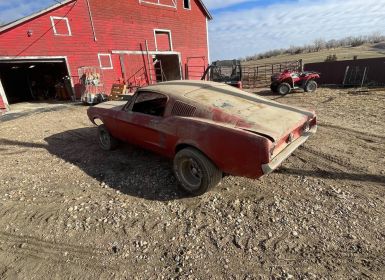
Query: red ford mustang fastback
x,y
209,129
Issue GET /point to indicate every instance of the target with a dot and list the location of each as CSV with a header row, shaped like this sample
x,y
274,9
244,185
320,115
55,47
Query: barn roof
x,y
58,5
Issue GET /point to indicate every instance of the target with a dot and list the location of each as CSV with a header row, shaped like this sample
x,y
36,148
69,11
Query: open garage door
x,y
29,80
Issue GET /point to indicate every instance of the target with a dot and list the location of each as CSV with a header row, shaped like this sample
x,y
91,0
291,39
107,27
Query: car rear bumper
x,y
277,161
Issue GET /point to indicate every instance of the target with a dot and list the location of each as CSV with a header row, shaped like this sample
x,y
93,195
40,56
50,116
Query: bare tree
x,y
319,44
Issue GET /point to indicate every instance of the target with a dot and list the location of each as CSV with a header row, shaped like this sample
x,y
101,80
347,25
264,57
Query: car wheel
x,y
311,86
284,89
274,87
195,172
106,141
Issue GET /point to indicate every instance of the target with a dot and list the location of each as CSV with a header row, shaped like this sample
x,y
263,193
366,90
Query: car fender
x,y
234,151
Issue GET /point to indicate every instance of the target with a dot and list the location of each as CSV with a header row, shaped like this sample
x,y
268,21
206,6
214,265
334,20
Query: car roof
x,y
181,88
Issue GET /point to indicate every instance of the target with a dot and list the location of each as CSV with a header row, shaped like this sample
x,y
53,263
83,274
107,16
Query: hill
x,y
342,53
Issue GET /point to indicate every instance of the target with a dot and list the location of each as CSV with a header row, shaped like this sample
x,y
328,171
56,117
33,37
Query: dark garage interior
x,y
35,80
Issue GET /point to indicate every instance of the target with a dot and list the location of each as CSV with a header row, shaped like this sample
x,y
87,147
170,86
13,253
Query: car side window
x,y
150,103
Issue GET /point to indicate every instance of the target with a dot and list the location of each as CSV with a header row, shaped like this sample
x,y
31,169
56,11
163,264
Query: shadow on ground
x,y
13,115
131,170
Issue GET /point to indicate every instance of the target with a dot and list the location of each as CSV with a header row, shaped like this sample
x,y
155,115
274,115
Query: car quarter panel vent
x,y
183,110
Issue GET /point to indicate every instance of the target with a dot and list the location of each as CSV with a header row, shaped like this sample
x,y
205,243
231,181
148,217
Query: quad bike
x,y
283,83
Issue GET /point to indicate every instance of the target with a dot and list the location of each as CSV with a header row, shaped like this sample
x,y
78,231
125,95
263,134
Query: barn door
x,y
195,68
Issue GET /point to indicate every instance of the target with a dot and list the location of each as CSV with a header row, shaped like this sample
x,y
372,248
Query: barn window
x,y
61,26
105,61
186,4
163,40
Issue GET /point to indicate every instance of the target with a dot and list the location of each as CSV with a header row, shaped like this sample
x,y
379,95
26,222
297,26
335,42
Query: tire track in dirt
x,y
327,160
366,136
37,248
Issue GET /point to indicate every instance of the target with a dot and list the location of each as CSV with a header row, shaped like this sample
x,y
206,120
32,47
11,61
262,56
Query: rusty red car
x,y
208,129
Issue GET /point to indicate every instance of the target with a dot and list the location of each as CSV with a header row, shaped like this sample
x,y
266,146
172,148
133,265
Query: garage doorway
x,y
167,67
27,80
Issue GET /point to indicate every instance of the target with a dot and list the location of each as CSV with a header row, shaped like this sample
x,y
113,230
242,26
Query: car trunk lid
x,y
251,112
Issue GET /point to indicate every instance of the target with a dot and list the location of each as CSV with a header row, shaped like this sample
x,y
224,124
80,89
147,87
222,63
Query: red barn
x,y
132,42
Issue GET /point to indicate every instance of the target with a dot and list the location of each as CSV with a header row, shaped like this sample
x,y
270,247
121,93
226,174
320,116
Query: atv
x,y
283,83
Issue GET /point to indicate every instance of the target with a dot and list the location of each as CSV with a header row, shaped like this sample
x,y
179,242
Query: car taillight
x,y
272,148
313,122
309,124
306,127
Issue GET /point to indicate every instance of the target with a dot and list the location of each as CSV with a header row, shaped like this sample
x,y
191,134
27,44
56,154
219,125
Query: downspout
x,y
91,20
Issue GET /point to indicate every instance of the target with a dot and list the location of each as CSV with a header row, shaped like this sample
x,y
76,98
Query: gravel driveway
x,y
69,210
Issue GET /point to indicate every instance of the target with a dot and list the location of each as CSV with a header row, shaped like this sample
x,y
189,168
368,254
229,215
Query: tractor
x,y
283,83
225,71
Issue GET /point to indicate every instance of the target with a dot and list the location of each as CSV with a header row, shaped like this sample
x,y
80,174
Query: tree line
x,y
321,44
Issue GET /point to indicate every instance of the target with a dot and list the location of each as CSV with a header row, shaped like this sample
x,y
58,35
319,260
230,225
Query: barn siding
x,y
119,25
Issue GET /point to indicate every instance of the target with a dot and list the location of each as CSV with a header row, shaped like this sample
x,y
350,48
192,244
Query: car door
x,y
142,121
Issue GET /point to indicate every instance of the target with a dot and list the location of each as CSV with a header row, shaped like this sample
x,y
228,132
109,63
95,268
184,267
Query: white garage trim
x,y
3,96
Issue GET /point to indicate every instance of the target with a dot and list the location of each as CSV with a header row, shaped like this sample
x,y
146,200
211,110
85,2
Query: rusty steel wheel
x,y
106,141
284,89
311,86
195,172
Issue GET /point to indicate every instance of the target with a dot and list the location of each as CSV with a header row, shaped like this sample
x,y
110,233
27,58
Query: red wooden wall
x,y
119,26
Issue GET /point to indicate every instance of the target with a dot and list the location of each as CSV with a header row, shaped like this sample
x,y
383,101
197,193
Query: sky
x,y
246,27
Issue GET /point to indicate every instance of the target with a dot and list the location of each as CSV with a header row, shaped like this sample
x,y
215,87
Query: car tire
x,y
195,172
106,141
311,86
274,87
284,89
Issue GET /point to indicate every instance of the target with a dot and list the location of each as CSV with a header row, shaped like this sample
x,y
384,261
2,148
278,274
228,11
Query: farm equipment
x,y
225,71
283,83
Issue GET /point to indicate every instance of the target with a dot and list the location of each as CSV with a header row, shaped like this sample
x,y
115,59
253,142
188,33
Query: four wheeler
x,y
225,71
283,83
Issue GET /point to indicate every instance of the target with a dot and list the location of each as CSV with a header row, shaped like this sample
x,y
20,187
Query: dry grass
x,y
365,51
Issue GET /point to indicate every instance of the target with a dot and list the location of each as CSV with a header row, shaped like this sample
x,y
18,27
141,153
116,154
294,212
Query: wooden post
x,y
346,75
149,63
363,78
123,67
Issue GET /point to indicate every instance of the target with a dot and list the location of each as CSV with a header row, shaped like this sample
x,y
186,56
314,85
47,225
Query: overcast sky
x,y
242,28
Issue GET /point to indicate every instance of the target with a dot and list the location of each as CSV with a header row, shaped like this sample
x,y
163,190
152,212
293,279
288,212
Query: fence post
x,y
301,66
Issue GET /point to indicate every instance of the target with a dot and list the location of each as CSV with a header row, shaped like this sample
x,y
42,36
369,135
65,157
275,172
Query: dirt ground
x,y
71,211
